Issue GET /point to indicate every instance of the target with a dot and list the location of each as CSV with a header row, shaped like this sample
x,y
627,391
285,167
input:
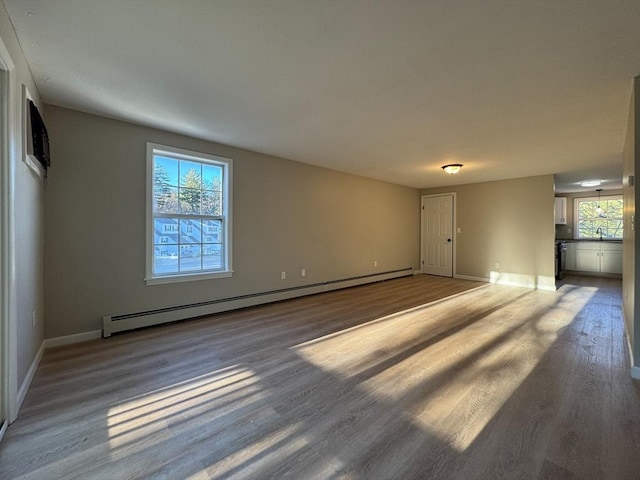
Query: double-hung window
x,y
597,218
188,215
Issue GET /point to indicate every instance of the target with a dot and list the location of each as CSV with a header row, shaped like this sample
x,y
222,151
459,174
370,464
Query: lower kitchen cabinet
x,y
598,257
587,260
611,261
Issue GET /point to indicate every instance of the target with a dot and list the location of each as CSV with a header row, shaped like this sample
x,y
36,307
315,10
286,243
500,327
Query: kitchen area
x,y
589,233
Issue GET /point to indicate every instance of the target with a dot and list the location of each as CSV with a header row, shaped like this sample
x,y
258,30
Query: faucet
x,y
599,230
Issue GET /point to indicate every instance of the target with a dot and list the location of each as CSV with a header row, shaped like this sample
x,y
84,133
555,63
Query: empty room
x,y
319,239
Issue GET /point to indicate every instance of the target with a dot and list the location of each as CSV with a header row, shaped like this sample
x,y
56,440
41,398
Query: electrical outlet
x,y
283,275
303,272
375,263
497,266
459,230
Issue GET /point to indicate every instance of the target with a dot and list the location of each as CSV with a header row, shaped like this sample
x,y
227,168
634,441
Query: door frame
x,y
454,229
8,325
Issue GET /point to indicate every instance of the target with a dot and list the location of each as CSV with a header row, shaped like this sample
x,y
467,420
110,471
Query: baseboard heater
x,y
131,321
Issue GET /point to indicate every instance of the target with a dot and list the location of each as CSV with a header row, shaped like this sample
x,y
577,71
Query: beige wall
x,y
509,222
286,216
28,218
568,231
630,243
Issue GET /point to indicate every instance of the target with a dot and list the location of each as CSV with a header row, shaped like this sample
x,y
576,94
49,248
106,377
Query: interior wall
x,y
567,232
28,217
631,242
509,223
286,216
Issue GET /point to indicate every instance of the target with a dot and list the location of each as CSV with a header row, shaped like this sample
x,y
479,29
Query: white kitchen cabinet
x,y
560,209
587,260
598,257
611,258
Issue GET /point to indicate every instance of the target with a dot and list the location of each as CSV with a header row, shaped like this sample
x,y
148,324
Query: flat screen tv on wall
x,y
39,137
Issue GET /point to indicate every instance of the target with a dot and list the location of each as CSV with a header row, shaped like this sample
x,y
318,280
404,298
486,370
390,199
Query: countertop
x,y
588,240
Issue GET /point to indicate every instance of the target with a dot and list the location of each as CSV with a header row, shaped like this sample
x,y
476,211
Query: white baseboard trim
x,y
120,323
24,388
635,373
626,335
417,272
515,280
69,339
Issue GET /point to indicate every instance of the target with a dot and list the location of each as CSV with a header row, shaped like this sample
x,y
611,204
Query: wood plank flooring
x,y
420,377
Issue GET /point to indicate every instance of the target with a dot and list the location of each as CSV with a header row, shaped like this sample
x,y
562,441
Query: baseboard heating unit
x,y
131,321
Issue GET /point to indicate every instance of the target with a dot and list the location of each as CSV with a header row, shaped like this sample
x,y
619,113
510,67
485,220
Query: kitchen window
x,y
598,218
188,215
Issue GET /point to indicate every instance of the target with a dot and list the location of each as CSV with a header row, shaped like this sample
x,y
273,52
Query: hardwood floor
x,y
395,380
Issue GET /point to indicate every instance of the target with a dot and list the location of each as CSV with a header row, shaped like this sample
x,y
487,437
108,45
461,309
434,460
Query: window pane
x,y
211,202
165,231
190,259
212,231
585,209
165,171
212,257
614,228
190,201
165,259
190,231
212,177
585,229
190,174
165,199
614,208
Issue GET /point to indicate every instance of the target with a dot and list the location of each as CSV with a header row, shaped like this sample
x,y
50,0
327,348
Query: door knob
x,y
448,239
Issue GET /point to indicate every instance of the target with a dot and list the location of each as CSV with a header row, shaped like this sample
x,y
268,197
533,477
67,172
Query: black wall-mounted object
x,y
39,137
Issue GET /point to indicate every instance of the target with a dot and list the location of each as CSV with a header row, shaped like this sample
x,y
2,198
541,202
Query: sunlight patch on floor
x,y
141,417
388,318
409,341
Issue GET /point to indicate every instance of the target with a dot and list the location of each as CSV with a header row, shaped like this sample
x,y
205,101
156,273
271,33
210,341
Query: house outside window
x,y
596,218
188,215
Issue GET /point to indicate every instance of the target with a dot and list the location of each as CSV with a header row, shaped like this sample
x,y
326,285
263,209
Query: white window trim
x,y
576,219
227,199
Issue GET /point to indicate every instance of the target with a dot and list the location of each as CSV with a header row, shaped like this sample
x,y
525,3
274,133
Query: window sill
x,y
187,278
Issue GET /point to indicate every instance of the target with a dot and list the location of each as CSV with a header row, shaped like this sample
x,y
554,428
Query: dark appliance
x,y
561,259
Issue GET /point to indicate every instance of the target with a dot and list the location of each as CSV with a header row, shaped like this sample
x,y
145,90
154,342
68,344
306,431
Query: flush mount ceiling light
x,y
591,183
452,168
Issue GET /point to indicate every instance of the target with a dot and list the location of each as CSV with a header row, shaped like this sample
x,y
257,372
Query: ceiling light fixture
x,y
591,183
452,168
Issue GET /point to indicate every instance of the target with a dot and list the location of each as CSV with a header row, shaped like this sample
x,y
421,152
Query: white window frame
x,y
227,209
576,217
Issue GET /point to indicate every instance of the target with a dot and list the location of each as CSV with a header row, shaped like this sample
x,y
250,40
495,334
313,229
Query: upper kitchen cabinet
x,y
561,210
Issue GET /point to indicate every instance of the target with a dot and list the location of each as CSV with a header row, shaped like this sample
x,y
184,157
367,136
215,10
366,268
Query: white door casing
x,y
8,340
437,234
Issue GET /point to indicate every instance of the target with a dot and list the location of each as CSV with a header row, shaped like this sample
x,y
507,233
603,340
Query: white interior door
x,y
437,235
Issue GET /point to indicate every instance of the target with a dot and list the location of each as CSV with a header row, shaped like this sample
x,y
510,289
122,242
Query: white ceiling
x,y
386,89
